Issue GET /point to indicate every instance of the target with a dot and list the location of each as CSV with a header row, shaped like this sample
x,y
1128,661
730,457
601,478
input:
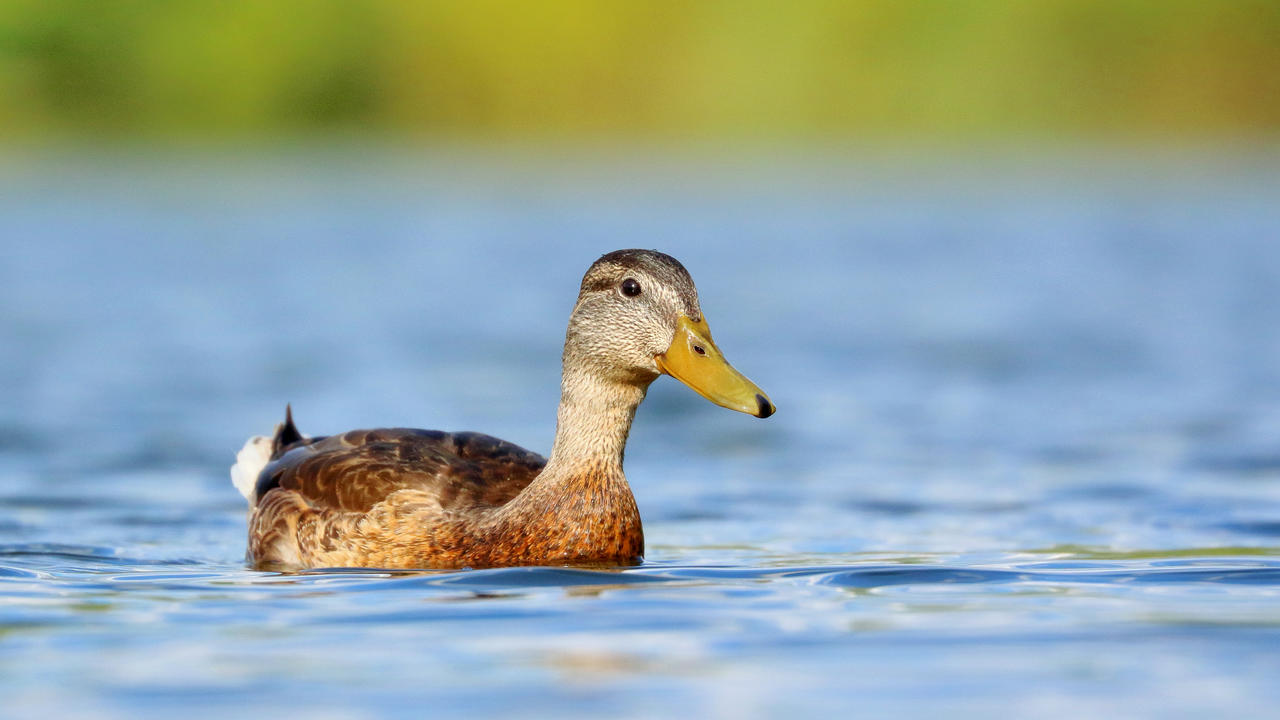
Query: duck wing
x,y
357,470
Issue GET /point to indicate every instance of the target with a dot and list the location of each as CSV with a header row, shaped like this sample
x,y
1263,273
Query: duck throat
x,y
593,422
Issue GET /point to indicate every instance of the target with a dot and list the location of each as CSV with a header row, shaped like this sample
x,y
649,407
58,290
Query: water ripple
x,y
1025,462
96,574
874,577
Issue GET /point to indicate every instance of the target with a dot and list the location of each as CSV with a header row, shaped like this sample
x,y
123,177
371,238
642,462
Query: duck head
x,y
637,317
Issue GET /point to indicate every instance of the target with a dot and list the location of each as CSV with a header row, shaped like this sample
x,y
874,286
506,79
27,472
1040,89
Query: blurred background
x,y
1010,271
810,71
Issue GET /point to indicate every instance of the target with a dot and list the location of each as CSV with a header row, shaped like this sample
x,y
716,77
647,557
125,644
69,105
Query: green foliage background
x,y
803,69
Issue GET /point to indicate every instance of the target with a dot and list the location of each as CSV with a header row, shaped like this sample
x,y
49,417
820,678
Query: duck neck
x,y
592,424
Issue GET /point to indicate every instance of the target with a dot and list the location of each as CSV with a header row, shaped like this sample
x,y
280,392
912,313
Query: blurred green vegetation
x,y
803,69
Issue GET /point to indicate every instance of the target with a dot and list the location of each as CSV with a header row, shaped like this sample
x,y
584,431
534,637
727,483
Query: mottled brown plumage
x,y
430,499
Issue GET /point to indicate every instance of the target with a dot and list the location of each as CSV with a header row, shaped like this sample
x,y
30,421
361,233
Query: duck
x,y
403,498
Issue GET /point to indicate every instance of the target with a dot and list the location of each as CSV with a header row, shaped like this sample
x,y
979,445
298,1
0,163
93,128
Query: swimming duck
x,y
406,498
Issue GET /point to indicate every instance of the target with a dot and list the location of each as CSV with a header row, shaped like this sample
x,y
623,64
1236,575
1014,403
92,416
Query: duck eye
x,y
630,287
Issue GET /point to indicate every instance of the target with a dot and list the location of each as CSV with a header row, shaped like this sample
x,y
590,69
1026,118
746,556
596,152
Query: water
x,y
1026,458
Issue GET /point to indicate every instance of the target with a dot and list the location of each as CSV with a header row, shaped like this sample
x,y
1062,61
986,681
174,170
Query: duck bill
x,y
694,360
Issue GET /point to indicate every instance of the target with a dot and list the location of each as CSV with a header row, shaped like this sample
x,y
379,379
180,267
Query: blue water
x,y
1026,459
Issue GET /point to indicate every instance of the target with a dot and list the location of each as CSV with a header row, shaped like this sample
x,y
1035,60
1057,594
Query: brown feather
x,y
423,498
358,469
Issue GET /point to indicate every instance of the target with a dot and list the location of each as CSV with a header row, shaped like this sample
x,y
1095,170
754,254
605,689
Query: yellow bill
x,y
694,360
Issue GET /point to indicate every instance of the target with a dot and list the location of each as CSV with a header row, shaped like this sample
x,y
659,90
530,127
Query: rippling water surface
x,y
1026,458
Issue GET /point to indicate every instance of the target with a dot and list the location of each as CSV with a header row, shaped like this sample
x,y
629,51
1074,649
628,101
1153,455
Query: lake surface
x,y
1026,458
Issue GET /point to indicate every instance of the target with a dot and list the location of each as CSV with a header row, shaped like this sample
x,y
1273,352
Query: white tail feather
x,y
250,461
